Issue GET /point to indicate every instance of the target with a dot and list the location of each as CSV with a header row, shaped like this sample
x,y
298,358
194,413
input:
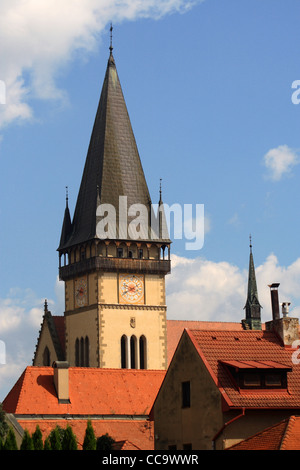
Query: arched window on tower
x,y
87,352
82,352
133,350
77,352
124,352
46,357
143,352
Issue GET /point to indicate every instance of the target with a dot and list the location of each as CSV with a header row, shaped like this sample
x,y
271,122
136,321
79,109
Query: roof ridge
x,y
288,432
258,433
15,391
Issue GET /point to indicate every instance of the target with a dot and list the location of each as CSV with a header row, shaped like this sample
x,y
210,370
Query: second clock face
x,y
131,289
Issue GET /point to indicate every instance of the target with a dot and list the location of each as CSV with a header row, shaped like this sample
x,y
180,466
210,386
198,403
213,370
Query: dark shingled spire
x,y
252,307
67,225
112,168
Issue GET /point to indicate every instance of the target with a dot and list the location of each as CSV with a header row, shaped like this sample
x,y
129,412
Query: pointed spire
x,y
112,163
252,307
67,224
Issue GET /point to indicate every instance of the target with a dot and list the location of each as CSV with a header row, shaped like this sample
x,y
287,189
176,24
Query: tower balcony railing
x,y
107,264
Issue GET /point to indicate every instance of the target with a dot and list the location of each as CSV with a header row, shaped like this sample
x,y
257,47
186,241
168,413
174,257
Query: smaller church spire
x,y
67,223
252,307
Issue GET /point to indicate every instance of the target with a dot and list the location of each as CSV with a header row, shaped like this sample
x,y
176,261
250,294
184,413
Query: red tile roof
x,y
175,329
215,347
124,445
118,402
282,436
128,434
93,391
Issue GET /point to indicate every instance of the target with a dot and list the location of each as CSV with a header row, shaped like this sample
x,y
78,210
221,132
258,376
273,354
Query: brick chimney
x,y
286,327
61,381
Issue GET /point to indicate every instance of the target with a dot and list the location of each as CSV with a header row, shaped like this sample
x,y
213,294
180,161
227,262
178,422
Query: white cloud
x,y
39,37
199,289
280,161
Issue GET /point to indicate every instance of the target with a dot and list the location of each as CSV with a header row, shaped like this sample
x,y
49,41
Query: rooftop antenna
x,y
111,36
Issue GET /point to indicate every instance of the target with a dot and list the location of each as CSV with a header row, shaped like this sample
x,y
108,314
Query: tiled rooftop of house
x,y
282,436
118,402
216,348
93,391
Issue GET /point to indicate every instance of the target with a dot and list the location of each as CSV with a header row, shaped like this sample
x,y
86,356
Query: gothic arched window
x,y
143,351
124,352
82,352
87,352
133,351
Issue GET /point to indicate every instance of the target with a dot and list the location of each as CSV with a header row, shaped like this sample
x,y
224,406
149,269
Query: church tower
x,y
112,259
252,307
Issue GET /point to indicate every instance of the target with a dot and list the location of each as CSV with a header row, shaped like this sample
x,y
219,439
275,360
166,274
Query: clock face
x,y
81,292
131,289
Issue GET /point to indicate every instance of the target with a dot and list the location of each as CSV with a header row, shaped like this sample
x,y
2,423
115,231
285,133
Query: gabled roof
x,y
217,347
56,327
113,167
282,436
92,391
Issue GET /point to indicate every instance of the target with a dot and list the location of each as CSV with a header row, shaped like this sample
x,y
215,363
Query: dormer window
x,y
255,375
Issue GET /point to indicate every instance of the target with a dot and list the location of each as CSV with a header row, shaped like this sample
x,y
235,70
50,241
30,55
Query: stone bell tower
x,y
115,304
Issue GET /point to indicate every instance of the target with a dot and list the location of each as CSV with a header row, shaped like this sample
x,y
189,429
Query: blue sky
x,y
208,86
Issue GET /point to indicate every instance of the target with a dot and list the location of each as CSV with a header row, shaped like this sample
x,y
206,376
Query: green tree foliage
x,y
3,424
27,443
47,445
37,439
10,442
90,441
69,440
55,439
105,442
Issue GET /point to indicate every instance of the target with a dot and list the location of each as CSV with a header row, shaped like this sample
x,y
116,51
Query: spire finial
x,y
250,239
45,306
67,195
160,180
111,36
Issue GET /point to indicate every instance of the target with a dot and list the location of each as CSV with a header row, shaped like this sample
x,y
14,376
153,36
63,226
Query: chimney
x,y
275,301
287,328
61,381
285,308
